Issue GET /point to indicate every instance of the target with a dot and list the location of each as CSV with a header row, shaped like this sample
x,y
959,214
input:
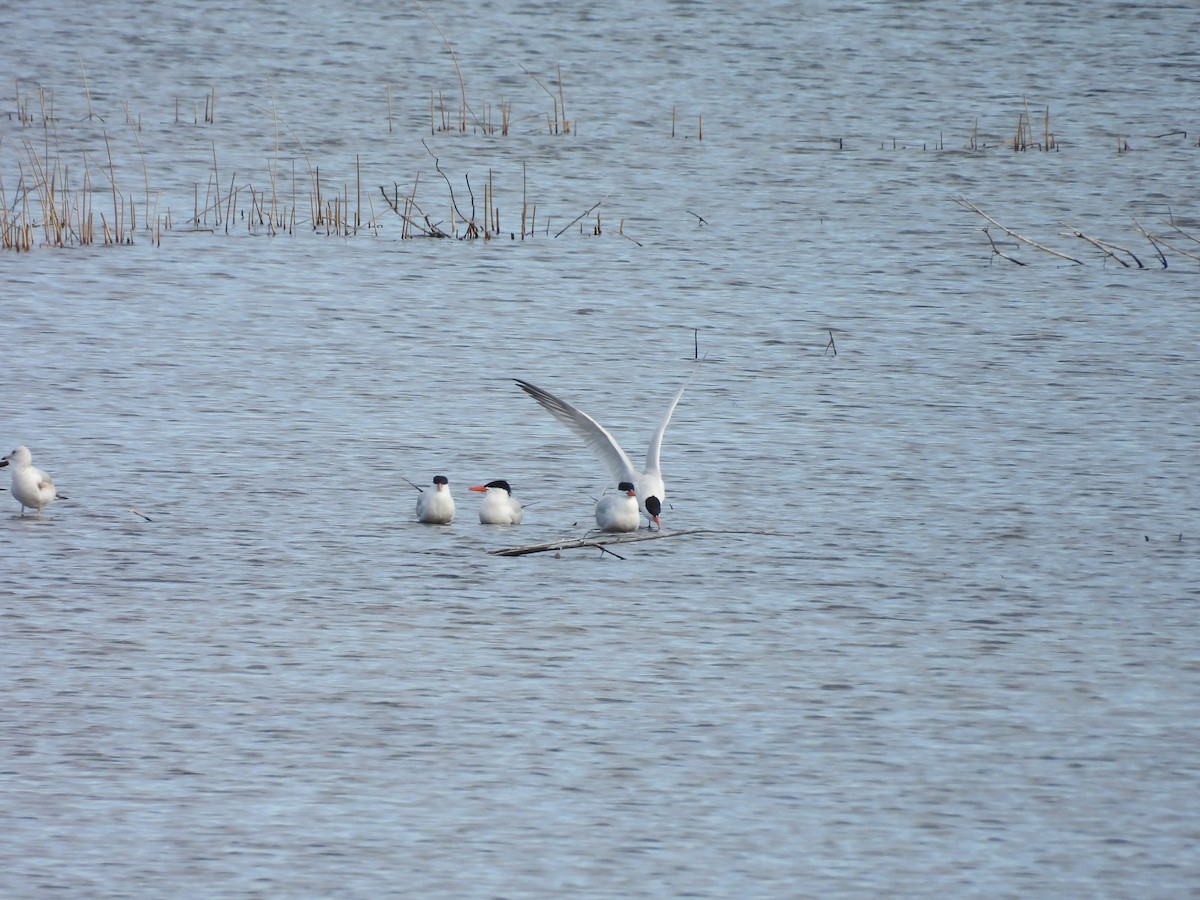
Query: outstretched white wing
x,y
593,433
652,463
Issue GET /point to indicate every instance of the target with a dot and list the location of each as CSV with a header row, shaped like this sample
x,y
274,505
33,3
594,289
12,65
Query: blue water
x,y
933,628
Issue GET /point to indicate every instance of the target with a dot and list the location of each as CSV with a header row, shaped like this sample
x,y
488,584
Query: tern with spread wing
x,y
650,488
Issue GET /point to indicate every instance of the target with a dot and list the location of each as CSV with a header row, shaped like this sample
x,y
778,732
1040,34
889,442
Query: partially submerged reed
x,y
55,207
1171,236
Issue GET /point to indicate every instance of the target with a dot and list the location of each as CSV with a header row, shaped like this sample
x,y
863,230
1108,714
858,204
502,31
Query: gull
x,y
31,486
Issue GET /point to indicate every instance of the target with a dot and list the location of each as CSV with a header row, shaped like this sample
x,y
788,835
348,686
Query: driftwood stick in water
x,y
600,541
1159,239
996,250
582,214
967,204
1162,257
1106,248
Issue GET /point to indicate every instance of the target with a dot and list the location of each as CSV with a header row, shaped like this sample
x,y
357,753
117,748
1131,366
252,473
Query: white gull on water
x,y
32,487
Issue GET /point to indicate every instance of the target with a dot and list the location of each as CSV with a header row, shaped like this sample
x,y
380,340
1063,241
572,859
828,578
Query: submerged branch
x,y
967,204
602,541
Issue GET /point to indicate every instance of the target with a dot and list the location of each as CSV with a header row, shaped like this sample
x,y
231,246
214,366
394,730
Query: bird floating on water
x,y
619,512
436,507
499,507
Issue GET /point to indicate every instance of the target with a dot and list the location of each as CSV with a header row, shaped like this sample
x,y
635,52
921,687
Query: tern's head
x,y
654,508
626,487
440,481
500,484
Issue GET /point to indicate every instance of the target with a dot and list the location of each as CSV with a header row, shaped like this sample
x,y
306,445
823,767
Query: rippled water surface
x,y
934,629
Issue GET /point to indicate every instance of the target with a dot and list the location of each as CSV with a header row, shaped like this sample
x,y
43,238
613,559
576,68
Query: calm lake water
x,y
936,633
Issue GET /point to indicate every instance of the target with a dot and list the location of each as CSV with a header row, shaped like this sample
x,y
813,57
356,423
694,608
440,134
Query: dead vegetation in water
x,y
55,200
1167,235
473,213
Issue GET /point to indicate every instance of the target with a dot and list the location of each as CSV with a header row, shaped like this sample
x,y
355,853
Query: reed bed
x,y
54,206
92,199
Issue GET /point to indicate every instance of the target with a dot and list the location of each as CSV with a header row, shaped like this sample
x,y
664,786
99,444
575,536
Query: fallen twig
x,y
1162,257
998,252
1159,238
967,204
604,540
601,542
1106,248
582,214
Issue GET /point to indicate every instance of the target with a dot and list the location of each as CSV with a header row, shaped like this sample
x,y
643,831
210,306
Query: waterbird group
x,y
637,493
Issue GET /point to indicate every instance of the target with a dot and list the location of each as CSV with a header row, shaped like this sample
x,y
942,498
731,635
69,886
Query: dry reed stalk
x,y
562,101
489,204
82,212
112,175
145,169
317,187
411,203
157,225
462,84
291,228
621,232
230,201
217,182
86,90
373,224
524,200
551,123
